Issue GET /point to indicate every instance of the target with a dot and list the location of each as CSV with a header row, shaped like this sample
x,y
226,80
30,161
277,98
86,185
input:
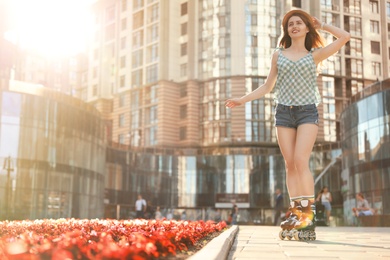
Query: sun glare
x,y
52,27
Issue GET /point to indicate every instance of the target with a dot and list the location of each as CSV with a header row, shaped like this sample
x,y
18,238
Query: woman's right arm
x,y
342,37
260,91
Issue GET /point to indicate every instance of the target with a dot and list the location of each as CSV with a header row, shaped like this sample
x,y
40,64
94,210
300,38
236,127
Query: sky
x,y
52,27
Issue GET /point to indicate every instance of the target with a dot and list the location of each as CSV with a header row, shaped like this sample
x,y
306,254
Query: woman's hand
x,y
233,102
317,23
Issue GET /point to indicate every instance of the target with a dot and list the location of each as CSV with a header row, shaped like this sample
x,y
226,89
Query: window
x,y
123,61
121,120
297,3
183,49
183,30
151,136
388,30
122,98
124,24
152,33
354,6
151,115
151,74
183,91
136,78
137,4
138,20
153,13
253,40
388,10
328,87
375,47
122,81
137,59
183,133
222,20
184,7
94,90
110,32
355,25
110,14
183,70
124,5
374,27
376,68
253,18
374,7
354,47
151,94
353,87
121,138
152,53
354,68
183,112
138,39
123,43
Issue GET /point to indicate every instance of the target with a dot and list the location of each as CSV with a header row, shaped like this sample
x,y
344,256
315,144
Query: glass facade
x,y
214,39
365,140
53,152
195,179
169,179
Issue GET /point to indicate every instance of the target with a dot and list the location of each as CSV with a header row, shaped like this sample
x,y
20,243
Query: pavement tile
x,y
262,242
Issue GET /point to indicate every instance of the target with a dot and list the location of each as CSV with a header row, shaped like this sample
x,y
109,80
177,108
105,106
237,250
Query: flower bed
x,y
100,239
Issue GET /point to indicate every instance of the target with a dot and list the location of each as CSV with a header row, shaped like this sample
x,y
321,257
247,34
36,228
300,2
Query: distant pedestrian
x,y
140,207
325,197
234,215
279,207
362,206
158,214
169,214
183,215
217,216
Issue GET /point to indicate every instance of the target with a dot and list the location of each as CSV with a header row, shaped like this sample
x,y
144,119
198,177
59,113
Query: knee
x,y
290,165
301,163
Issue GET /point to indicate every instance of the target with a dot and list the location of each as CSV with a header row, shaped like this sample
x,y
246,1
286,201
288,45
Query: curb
x,y
219,247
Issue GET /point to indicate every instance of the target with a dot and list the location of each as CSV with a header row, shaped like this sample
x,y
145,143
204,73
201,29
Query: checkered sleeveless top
x,y
296,81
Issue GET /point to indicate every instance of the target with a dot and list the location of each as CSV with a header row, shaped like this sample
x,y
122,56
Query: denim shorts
x,y
294,116
327,205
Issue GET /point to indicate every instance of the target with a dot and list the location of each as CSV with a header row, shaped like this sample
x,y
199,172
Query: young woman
x,y
293,72
325,197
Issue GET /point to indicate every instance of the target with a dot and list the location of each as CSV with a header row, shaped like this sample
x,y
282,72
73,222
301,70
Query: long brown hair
x,y
313,38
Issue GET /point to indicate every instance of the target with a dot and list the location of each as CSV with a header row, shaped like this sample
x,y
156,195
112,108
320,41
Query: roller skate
x,y
305,226
293,215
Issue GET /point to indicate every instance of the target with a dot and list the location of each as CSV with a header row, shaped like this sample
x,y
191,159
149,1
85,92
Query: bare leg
x,y
306,137
296,147
286,139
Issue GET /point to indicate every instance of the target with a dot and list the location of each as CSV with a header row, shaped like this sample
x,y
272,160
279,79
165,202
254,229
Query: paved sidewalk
x,y
262,242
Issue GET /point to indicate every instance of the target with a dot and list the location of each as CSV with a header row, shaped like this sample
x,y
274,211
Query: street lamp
x,y
9,168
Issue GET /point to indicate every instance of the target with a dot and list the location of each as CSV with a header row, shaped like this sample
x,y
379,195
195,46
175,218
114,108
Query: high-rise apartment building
x,y
161,70
168,66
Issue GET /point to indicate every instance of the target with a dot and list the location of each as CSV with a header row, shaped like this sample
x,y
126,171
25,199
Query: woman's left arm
x,y
341,35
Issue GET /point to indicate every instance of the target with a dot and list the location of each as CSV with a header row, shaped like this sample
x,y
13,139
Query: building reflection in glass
x,y
365,143
57,145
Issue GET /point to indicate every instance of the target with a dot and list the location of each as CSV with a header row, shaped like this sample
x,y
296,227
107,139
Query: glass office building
x,y
52,150
365,140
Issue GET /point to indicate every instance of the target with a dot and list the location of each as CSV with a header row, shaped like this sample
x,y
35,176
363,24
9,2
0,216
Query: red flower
x,y
99,239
